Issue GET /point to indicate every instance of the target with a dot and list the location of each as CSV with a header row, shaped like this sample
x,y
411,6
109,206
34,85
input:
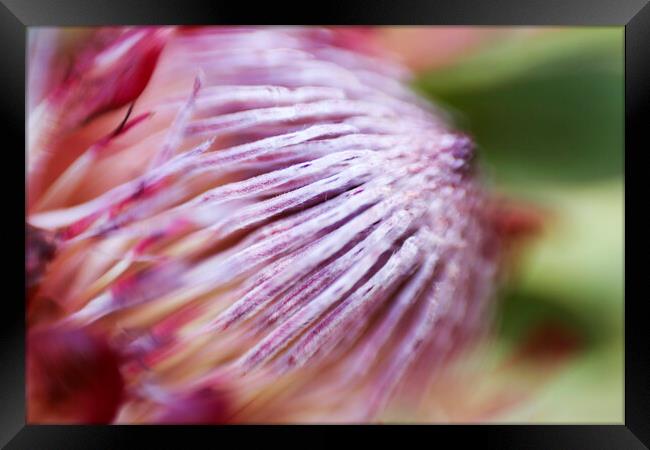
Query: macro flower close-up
x,y
321,225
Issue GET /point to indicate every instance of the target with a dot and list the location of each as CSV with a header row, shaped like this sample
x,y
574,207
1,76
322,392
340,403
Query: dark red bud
x,y
73,376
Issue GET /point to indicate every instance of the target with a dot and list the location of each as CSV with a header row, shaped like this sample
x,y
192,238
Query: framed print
x,y
366,215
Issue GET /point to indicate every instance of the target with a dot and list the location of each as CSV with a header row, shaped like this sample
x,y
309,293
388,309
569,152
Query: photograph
x,y
231,224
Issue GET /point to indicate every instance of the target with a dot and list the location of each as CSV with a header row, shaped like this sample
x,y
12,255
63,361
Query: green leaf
x,y
541,108
517,57
580,255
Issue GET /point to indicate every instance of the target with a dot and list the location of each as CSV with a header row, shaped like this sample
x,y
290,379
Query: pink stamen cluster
x,y
288,226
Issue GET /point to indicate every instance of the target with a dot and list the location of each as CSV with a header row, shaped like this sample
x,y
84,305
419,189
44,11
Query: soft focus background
x,y
546,108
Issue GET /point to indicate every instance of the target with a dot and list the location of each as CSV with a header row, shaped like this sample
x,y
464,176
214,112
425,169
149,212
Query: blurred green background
x,y
546,110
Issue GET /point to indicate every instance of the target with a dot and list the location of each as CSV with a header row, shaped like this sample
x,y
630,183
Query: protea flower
x,y
247,225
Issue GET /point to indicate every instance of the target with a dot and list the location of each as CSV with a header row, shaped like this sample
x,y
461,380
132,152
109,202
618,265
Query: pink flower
x,y
265,224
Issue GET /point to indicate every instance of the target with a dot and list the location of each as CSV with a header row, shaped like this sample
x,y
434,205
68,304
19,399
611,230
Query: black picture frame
x,y
17,15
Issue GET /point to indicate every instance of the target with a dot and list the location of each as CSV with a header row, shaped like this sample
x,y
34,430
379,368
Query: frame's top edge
x,y
383,12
